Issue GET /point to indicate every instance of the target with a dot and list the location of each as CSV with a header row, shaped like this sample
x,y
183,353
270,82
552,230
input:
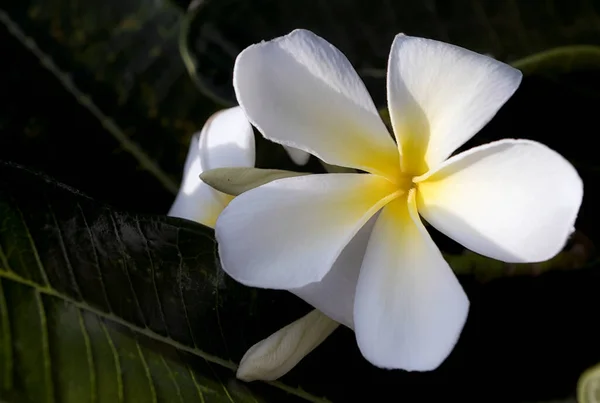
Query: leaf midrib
x,y
9,275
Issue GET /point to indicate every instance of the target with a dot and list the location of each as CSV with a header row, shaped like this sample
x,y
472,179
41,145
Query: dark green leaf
x,y
98,305
560,60
578,254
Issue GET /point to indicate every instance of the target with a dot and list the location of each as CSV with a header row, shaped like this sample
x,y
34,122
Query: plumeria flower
x,y
354,245
227,140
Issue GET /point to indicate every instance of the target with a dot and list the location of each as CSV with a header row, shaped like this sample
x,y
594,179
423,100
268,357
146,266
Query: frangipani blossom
x,y
512,200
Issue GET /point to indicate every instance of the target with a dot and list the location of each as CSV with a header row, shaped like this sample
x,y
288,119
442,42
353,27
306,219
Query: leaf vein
x,y
220,382
34,250
126,270
63,249
153,276
147,371
45,347
90,356
4,256
198,388
117,361
177,388
7,345
96,259
4,260
180,283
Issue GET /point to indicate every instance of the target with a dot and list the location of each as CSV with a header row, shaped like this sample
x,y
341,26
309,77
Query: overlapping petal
x,y
196,200
288,233
300,91
226,140
440,95
334,294
409,307
511,200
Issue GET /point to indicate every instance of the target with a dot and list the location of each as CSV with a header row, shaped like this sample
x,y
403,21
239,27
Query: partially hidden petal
x,y
276,355
196,200
511,200
227,140
334,294
409,307
301,91
201,205
289,232
299,157
441,95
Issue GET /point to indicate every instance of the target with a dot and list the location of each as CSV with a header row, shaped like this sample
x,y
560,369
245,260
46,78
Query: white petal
x,y
409,307
300,91
202,205
511,200
289,232
226,140
298,156
334,294
440,96
196,200
276,355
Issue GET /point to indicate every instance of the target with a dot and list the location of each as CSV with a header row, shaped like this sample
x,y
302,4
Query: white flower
x,y
512,200
226,140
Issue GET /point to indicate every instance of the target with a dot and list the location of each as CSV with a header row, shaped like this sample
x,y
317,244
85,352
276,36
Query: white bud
x,y
276,355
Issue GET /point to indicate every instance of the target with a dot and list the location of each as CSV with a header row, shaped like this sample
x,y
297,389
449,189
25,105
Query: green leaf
x,y
235,181
98,305
509,30
560,60
577,255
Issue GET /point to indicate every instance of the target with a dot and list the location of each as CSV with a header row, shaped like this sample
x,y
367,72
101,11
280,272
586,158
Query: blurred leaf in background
x,y
120,64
